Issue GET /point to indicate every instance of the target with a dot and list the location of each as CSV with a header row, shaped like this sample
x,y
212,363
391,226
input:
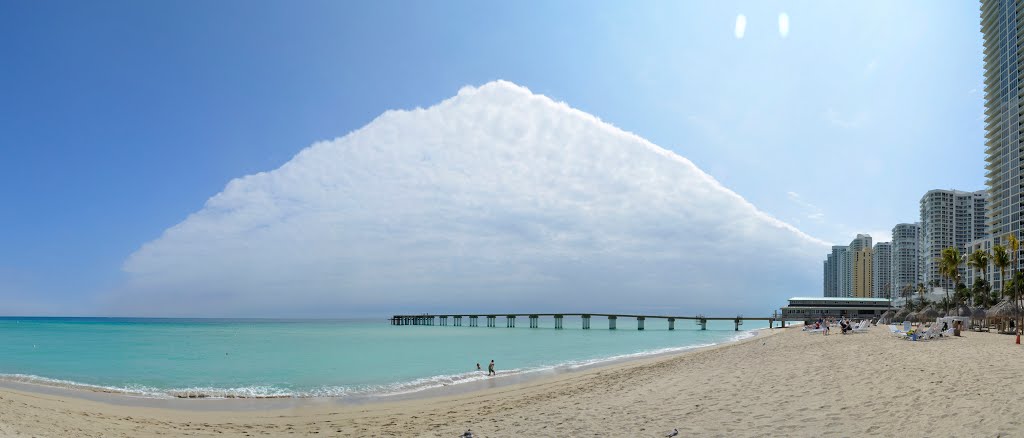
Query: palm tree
x,y
1001,260
980,292
1015,247
906,291
962,295
979,260
923,290
949,267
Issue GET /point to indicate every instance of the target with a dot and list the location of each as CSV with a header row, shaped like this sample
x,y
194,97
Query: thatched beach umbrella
x,y
1004,310
978,316
927,314
912,317
963,310
886,317
901,315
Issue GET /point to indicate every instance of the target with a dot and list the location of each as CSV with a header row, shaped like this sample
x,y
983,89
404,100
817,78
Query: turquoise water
x,y
313,358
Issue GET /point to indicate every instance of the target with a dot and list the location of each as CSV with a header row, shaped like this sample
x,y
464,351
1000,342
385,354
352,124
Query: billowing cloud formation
x,y
494,200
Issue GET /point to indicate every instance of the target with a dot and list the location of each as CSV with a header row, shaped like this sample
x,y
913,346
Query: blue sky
x,y
119,119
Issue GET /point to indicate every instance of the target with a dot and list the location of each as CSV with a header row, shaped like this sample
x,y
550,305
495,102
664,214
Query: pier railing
x,y
534,318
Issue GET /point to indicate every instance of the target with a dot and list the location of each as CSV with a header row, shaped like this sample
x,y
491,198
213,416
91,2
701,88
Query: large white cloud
x,y
494,200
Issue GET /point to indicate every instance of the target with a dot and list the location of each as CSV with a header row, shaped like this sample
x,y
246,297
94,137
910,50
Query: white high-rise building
x,y
881,271
949,218
906,258
1000,20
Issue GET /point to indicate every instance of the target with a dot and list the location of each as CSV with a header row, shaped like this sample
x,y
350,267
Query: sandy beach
x,y
780,383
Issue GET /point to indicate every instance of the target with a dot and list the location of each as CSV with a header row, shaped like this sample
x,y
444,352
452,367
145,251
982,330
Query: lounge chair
x,y
932,332
895,331
862,327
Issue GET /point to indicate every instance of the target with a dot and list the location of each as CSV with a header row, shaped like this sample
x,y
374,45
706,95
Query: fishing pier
x,y
473,320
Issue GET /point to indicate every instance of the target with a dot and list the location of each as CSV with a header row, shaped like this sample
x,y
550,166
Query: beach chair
x,y
862,327
906,326
895,331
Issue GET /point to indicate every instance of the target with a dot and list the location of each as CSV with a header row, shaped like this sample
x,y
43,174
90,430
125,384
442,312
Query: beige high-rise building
x,y
862,278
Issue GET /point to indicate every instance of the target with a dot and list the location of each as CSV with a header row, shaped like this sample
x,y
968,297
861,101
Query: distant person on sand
x,y
490,369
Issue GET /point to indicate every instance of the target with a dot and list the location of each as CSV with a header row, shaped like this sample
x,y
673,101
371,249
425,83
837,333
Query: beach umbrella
x,y
901,315
979,316
1004,310
927,314
963,310
886,317
912,317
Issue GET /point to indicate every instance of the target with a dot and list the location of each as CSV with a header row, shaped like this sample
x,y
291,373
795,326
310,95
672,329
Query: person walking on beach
x,y
490,369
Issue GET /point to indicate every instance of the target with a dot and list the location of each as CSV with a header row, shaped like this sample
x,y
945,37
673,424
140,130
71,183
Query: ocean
x,y
248,358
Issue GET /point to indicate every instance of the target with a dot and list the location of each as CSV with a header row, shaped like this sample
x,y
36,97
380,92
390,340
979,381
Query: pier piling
x,y
510,321
473,322
611,322
586,322
671,323
534,321
490,320
639,323
558,321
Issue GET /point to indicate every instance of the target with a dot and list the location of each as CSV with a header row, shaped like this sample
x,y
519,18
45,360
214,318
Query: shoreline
x,y
115,396
785,383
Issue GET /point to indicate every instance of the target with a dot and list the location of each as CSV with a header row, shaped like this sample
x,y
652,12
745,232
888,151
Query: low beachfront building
x,y
810,308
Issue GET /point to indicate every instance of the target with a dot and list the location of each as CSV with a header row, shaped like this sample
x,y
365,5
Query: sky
x,y
121,122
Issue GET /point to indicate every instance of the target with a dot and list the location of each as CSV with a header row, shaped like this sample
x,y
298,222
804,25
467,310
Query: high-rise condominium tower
x,y
881,271
1000,20
906,258
949,218
859,259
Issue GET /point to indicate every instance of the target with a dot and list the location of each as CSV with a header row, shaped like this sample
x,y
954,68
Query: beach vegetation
x,y
980,292
962,295
949,267
906,292
1001,260
1011,239
921,290
979,260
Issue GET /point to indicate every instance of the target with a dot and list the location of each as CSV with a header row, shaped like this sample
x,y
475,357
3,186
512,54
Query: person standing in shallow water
x,y
490,369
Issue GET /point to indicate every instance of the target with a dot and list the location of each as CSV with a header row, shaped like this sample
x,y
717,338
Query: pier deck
x,y
510,319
